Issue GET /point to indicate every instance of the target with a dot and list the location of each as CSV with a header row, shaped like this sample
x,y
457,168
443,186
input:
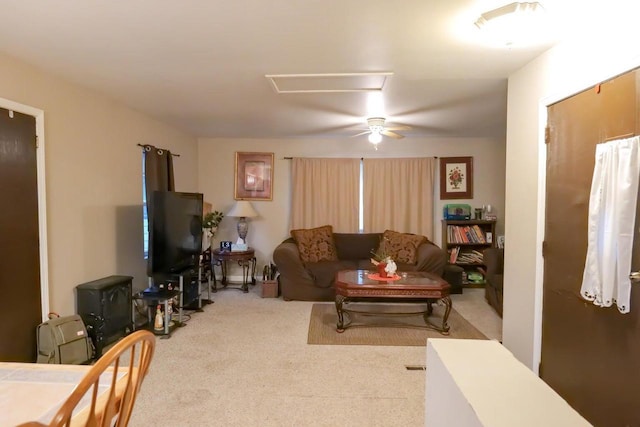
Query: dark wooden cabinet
x,y
465,241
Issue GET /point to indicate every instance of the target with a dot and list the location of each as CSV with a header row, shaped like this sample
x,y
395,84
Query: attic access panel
x,y
325,83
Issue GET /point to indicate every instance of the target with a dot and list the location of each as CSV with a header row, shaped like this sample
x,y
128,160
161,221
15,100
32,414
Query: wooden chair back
x,y
121,371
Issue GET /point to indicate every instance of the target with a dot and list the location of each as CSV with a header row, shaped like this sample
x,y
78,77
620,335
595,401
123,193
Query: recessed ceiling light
x,y
515,24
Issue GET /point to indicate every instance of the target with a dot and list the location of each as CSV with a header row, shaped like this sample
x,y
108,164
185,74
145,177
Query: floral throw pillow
x,y
315,244
402,247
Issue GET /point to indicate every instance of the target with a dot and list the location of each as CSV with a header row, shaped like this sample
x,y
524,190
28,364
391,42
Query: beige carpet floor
x,y
322,327
244,361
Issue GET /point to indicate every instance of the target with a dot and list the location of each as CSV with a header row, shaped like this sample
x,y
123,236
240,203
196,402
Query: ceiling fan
x,y
377,128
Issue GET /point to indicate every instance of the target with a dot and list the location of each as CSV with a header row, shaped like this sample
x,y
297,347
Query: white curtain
x,y
398,195
612,208
325,192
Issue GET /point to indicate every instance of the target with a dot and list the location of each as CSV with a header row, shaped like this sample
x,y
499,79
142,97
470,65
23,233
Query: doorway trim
x,y
42,199
609,73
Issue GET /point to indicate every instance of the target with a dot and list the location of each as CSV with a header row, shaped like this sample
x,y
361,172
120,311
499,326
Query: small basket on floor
x,y
270,289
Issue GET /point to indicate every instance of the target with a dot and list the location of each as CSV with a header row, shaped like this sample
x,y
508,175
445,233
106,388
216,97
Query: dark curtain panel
x,y
158,176
158,170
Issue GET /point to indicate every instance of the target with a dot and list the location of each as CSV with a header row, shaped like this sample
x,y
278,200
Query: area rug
x,y
322,327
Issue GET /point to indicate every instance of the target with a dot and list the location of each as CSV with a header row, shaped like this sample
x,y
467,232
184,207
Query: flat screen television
x,y
175,231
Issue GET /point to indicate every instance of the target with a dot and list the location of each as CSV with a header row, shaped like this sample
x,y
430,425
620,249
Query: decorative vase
x,y
381,269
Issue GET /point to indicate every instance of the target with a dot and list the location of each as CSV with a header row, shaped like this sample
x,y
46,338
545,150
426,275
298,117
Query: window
x,y
363,195
145,217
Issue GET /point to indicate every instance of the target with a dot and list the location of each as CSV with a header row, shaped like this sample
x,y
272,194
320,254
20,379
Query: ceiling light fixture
x,y
375,137
513,24
376,127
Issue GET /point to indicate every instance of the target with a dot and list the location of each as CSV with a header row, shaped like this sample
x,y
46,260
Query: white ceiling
x,y
200,65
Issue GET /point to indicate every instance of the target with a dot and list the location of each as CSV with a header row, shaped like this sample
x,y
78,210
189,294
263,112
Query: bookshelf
x,y
464,241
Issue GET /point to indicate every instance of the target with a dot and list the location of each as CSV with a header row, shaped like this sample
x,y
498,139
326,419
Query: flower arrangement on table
x,y
385,265
210,222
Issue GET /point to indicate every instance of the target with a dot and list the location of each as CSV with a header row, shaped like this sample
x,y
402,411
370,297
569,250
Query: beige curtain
x,y
398,195
325,192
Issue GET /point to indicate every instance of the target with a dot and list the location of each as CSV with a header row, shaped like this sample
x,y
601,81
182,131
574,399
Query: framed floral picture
x,y
254,176
456,178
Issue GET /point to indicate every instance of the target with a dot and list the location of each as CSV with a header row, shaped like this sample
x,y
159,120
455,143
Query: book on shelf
x,y
480,234
453,254
469,257
467,234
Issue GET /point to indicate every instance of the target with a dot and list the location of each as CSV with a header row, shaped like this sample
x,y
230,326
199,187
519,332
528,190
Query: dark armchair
x,y
494,261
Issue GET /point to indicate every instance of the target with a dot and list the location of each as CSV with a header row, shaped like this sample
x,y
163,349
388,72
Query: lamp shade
x,y
242,208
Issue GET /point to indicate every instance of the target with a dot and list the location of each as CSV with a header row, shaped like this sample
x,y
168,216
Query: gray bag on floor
x,y
64,340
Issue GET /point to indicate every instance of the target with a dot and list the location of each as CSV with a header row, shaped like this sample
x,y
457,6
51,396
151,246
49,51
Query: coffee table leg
x,y
444,329
340,325
447,304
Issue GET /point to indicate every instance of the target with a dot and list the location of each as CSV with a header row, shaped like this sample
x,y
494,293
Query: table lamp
x,y
242,210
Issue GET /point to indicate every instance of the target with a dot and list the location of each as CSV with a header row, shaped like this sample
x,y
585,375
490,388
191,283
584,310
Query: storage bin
x,y
456,211
269,289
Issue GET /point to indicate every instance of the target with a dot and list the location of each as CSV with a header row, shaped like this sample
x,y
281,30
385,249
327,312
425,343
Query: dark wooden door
x,y
21,309
590,355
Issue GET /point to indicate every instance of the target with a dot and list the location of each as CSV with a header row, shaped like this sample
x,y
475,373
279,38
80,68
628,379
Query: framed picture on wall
x,y
456,178
254,176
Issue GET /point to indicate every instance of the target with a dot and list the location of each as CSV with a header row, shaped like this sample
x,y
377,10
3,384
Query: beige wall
x,y
93,177
556,74
93,181
216,177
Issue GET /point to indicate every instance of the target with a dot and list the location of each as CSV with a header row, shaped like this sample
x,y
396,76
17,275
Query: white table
x,y
35,392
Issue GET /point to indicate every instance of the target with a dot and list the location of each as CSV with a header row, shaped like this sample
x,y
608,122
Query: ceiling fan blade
x,y
331,129
392,134
361,133
398,127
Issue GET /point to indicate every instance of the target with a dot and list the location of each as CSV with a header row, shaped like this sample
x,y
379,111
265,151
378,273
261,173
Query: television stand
x,y
185,287
188,283
153,291
152,301
205,274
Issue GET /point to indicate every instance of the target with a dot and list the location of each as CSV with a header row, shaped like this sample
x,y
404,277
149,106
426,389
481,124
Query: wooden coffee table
x,y
413,287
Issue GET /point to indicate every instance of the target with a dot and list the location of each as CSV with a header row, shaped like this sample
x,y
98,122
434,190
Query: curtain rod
x,y
289,158
626,135
361,158
163,149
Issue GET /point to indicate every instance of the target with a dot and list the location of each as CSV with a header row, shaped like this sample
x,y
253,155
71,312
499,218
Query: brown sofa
x,y
313,281
494,261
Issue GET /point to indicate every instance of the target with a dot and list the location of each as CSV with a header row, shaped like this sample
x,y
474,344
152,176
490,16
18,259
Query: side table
x,y
245,259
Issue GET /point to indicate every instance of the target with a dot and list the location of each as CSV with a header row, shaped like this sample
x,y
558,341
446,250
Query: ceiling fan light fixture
x,y
517,23
375,137
376,126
